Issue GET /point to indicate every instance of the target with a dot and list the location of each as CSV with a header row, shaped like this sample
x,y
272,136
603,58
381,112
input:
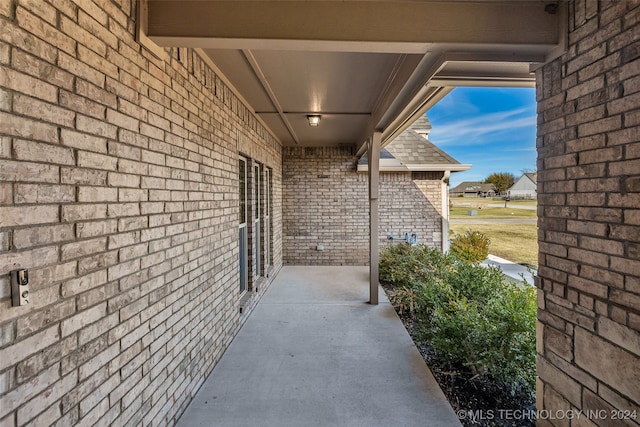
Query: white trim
x,y
418,168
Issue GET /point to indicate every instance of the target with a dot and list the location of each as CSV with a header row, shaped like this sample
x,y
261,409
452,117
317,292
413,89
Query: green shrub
x,y
496,338
470,315
407,266
405,300
472,246
475,282
413,272
398,265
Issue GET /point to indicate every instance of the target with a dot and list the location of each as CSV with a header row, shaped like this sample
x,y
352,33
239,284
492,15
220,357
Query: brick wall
x,y
411,202
118,191
325,202
589,204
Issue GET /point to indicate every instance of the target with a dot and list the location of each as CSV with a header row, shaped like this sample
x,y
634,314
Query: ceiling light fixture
x,y
314,119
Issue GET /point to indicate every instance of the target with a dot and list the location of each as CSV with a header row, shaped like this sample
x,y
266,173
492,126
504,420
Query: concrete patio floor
x,y
315,353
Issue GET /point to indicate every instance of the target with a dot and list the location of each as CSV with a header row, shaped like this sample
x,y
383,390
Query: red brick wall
x,y
589,204
118,191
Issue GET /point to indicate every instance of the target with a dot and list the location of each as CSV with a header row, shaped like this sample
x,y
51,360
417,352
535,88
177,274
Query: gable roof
x,y
473,187
412,151
422,126
526,182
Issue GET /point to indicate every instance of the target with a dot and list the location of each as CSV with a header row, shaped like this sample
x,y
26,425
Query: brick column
x,y
589,205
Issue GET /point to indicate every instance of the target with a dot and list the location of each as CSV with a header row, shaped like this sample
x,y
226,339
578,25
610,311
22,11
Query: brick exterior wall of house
x,y
119,193
589,204
325,202
411,202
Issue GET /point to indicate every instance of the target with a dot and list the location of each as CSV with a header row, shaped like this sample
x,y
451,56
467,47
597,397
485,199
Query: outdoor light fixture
x,y
314,119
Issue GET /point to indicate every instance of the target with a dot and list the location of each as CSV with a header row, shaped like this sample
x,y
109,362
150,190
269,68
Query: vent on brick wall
x,y
323,176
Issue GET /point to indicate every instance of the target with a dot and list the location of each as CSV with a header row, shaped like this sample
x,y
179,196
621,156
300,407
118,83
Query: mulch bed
x,y
478,401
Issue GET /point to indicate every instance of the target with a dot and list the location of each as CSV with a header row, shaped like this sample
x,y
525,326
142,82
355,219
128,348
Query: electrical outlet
x,y
20,287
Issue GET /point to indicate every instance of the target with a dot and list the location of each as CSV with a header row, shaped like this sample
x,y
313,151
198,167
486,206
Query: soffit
x,y
362,65
283,87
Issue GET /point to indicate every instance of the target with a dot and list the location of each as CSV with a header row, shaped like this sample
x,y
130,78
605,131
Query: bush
x,y
406,265
413,272
494,338
398,265
405,300
469,315
472,246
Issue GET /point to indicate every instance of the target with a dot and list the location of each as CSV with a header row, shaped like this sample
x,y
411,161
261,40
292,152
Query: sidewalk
x,y
315,353
511,269
514,206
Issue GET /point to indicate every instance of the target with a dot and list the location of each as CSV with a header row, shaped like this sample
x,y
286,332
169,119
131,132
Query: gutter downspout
x,y
445,210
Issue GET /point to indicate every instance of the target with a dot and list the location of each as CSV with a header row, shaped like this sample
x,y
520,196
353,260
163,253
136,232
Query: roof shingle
x,y
411,148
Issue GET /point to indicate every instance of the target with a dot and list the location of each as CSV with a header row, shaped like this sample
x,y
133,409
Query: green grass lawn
x,y
514,242
521,202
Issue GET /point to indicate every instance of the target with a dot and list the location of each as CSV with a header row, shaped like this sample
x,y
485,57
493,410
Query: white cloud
x,y
531,149
471,130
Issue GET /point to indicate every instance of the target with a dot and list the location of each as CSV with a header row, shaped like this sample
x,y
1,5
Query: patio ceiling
x,y
362,65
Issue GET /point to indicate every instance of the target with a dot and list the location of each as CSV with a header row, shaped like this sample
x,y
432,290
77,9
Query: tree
x,y
501,180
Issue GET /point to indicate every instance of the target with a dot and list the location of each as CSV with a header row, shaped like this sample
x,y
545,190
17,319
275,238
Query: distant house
x,y
473,189
525,187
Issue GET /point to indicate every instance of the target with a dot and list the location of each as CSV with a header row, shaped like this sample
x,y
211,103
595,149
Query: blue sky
x,y
493,129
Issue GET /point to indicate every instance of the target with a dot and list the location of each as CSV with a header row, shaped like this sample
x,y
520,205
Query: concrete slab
x,y
315,353
511,269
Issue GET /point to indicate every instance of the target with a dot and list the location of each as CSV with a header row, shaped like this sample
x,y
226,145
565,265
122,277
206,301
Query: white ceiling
x,y
362,65
283,87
